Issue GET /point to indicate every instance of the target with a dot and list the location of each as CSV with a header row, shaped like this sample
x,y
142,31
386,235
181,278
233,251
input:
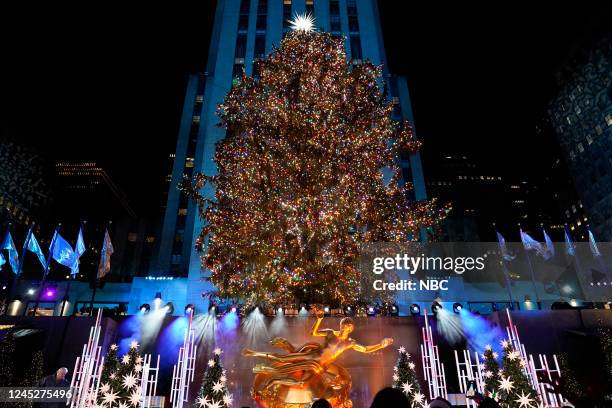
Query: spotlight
x,y
234,309
371,310
349,311
189,309
457,307
279,311
393,310
169,308
145,308
157,300
326,310
213,309
435,306
30,291
415,309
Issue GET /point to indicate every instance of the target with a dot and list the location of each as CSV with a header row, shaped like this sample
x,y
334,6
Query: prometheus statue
x,y
295,379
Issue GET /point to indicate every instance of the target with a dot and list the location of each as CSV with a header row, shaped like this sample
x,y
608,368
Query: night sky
x,y
108,85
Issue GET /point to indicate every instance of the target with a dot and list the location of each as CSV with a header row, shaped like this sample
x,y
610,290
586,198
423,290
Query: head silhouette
x,y
347,325
390,397
321,403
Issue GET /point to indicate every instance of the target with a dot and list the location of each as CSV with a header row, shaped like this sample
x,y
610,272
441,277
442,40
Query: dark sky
x,y
108,84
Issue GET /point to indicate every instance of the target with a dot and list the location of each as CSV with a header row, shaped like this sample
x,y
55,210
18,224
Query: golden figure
x,y
294,379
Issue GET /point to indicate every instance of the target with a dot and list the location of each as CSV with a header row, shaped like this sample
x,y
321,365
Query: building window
x,y
351,7
241,46
260,45
353,24
238,70
262,7
310,7
286,13
261,22
182,211
176,259
243,22
356,47
195,119
245,5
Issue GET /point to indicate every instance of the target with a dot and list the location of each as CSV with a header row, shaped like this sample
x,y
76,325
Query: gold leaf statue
x,y
295,379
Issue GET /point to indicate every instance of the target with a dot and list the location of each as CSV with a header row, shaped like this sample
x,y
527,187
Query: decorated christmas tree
x,y
33,375
122,388
605,343
514,388
213,392
570,387
405,379
111,363
7,353
307,172
491,370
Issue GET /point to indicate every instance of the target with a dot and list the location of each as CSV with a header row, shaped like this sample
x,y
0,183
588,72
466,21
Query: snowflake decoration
x,y
418,398
487,374
395,377
217,351
488,347
214,404
109,397
505,384
223,379
112,376
113,347
122,405
134,344
524,400
138,368
135,397
129,381
126,359
203,401
523,363
495,355
302,22
407,388
513,355
211,363
218,386
104,388
411,365
228,399
504,343
139,360
402,350
395,368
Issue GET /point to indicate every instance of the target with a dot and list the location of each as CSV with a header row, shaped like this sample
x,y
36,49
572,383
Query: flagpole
x,y
93,294
14,285
44,279
533,282
506,277
577,264
70,278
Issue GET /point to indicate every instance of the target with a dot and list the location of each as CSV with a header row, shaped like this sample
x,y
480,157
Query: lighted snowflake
x,y
524,400
113,347
302,22
104,388
218,386
217,351
135,397
211,363
402,350
487,374
139,360
488,347
418,398
395,377
395,368
134,344
495,355
523,363
129,381
505,384
411,365
513,355
125,359
109,397
407,388
138,368
203,401
122,405
214,404
504,343
223,378
228,399
112,376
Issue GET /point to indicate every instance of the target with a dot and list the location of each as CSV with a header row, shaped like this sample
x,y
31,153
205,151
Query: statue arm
x,y
315,329
375,347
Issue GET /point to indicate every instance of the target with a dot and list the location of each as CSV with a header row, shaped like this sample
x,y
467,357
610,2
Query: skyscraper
x,y
581,115
245,31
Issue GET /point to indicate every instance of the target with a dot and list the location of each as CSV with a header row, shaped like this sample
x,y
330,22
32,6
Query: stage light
x,y
457,307
213,309
393,310
4,287
349,311
157,300
435,306
326,310
31,291
189,309
371,310
145,308
415,309
234,309
169,308
279,311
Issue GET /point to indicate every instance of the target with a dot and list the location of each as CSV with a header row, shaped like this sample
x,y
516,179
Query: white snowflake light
x,y
211,363
505,384
228,399
411,365
203,401
487,374
138,360
214,404
302,22
513,355
524,400
217,351
488,347
122,405
407,388
134,344
104,388
109,398
113,347
129,381
138,368
504,343
395,377
218,386
402,350
135,397
418,398
125,359
223,379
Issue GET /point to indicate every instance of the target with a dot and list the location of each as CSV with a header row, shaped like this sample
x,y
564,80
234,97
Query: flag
x,y
570,248
2,260
530,243
32,246
107,251
502,247
13,256
62,251
550,248
79,249
593,245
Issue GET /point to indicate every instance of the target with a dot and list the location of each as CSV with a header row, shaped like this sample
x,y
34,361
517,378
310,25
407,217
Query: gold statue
x,y
294,379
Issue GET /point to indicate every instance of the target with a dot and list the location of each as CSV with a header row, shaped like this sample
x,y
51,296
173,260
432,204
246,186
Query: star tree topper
x,y
302,22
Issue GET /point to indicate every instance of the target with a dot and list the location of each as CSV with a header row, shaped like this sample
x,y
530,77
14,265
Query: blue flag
x,y
13,256
105,254
550,248
2,260
530,243
79,249
32,246
62,251
503,249
570,249
593,245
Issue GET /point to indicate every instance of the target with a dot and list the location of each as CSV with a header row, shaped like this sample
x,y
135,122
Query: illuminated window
x,y
182,211
196,119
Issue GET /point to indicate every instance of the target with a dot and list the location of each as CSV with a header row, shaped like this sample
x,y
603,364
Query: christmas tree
x,y
405,379
33,375
514,387
605,343
570,387
111,364
491,370
7,353
122,388
213,392
307,172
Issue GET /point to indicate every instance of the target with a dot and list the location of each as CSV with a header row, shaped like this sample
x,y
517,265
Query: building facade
x,y
245,31
581,115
